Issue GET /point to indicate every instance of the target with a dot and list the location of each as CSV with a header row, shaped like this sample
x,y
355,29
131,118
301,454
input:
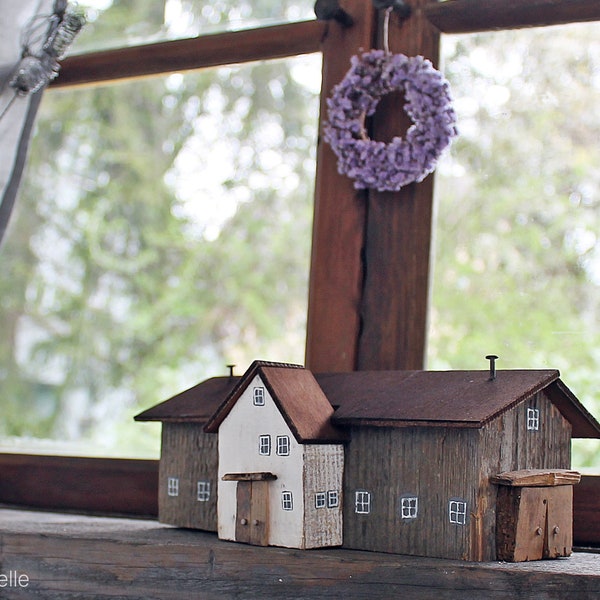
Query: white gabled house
x,y
280,461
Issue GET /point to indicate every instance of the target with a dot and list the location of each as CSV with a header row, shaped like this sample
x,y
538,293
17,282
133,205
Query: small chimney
x,y
230,367
492,358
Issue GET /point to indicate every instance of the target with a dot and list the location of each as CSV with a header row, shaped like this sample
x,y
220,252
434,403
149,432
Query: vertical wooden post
x,y
370,263
338,232
397,245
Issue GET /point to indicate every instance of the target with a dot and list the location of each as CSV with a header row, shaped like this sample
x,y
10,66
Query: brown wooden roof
x,y
446,398
383,398
195,405
298,396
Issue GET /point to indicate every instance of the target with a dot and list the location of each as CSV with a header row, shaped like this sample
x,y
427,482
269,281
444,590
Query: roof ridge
x,y
269,363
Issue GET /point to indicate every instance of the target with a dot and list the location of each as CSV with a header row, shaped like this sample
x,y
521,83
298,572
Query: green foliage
x,y
518,264
163,230
128,280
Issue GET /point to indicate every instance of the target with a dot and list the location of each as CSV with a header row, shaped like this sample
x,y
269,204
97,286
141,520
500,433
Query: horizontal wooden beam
x,y
278,41
130,487
87,485
469,16
69,556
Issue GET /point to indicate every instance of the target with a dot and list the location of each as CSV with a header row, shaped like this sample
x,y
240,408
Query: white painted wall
x,y
238,453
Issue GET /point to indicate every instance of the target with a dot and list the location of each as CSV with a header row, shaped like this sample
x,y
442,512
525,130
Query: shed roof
x,y
194,405
299,398
383,398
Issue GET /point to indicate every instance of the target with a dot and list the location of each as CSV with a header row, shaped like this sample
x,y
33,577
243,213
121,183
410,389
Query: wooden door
x,y
252,512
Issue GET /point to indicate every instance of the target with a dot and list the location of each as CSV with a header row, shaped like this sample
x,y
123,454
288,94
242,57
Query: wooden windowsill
x,y
73,556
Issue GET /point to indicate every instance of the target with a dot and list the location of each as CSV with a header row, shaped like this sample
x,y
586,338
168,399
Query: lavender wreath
x,y
389,166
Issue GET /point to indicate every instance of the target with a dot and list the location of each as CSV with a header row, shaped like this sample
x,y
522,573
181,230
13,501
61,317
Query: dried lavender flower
x,y
377,165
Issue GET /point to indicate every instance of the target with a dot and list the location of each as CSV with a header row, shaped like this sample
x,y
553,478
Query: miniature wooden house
x,y
421,453
281,461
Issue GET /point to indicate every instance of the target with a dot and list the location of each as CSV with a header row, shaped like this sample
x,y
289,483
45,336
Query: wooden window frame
x,y
457,511
264,445
363,243
203,490
362,502
320,500
282,445
409,507
333,498
287,501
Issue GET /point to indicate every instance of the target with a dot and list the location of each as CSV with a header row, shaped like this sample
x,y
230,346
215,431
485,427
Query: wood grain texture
x,y
336,272
190,455
70,557
537,477
586,511
395,295
468,16
215,50
90,485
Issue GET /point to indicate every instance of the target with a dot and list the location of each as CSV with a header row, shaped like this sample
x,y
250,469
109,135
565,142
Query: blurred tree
x,y
517,264
127,279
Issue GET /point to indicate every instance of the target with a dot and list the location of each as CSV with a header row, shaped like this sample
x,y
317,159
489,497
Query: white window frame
x,y
320,500
409,507
287,500
333,498
457,511
258,396
203,491
264,445
283,445
173,486
533,419
362,502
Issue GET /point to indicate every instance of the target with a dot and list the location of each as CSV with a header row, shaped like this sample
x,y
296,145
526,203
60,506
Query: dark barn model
x,y
469,465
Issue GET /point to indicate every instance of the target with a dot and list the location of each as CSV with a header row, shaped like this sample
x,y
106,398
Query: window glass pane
x,y
517,263
162,232
118,23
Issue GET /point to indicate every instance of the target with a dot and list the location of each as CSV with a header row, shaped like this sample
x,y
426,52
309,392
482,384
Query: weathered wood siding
x,y
439,464
323,473
435,465
190,455
509,446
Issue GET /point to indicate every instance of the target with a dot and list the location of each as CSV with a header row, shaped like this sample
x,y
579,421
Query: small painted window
x,y
287,501
409,507
264,445
457,512
333,499
283,445
362,502
320,500
203,494
173,486
259,396
533,419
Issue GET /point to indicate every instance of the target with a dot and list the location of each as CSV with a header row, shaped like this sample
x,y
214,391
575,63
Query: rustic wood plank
x,y
90,485
278,41
263,476
395,298
586,511
537,477
190,455
69,556
469,16
336,271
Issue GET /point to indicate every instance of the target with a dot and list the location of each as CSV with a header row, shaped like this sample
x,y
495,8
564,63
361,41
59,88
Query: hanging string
x,y
386,29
